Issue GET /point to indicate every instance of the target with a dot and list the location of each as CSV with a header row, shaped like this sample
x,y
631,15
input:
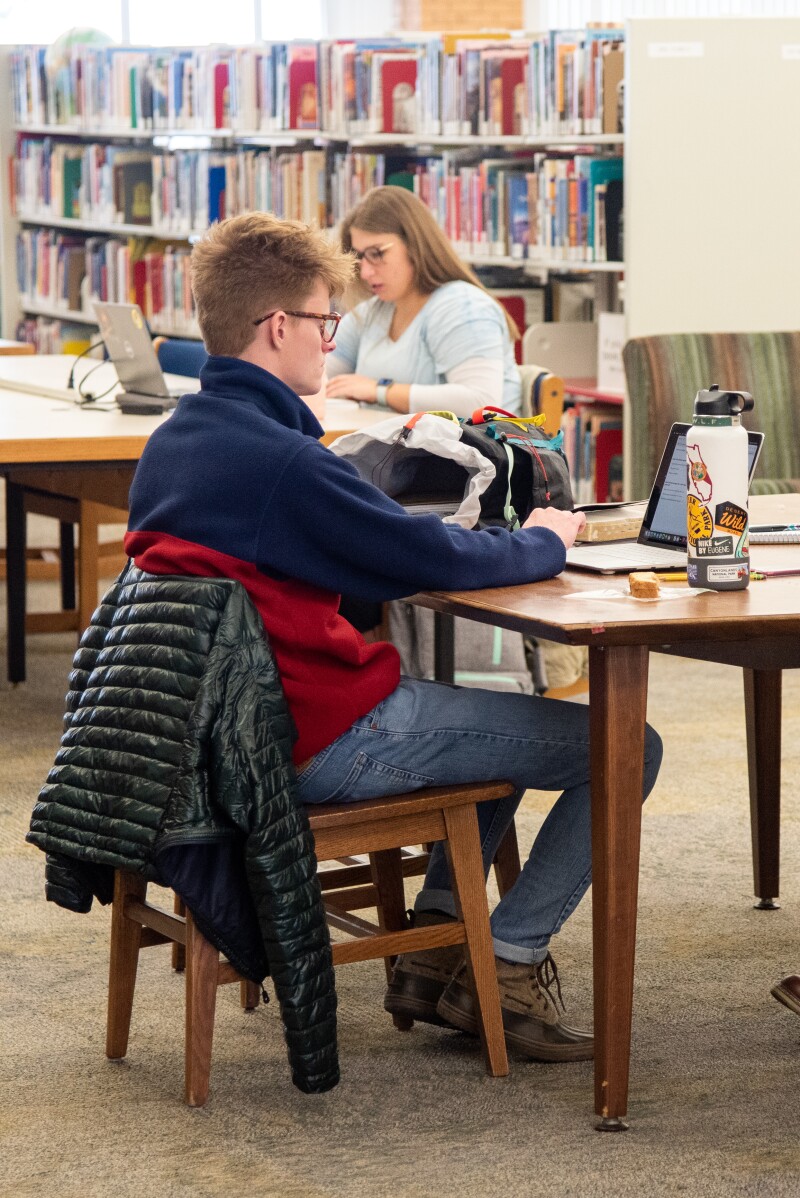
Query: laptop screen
x,y
665,519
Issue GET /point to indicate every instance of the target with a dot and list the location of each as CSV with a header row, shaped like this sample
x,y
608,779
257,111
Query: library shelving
x,y
120,156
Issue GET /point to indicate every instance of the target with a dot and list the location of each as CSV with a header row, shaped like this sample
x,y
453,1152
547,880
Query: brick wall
x,y
460,14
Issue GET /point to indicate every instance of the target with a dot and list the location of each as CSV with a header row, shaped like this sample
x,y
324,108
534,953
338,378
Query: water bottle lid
x,y
714,402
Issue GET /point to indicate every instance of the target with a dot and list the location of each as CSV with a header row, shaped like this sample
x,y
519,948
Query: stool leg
x,y
178,950
386,867
126,936
506,861
202,969
249,994
469,892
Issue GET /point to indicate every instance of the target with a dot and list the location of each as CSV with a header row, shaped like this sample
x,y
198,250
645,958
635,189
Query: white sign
x,y
676,49
610,340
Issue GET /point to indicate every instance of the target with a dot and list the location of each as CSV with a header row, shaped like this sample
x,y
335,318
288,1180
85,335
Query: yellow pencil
x,y
677,576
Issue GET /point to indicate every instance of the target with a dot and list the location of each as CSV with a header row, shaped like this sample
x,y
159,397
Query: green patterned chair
x,y
665,372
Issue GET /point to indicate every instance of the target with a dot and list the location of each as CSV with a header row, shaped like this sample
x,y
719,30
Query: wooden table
x,y
90,454
757,630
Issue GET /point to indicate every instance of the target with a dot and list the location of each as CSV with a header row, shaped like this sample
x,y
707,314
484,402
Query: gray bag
x,y
492,658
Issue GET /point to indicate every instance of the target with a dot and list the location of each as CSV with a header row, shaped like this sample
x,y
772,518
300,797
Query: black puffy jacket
x,y
175,762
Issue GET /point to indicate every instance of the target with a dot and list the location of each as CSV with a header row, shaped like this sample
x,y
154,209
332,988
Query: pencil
x,y
675,576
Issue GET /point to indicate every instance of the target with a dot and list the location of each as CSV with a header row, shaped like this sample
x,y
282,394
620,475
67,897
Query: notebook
x,y
661,544
127,339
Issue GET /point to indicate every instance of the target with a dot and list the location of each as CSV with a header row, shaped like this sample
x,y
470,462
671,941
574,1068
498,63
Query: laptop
x,y
661,544
130,348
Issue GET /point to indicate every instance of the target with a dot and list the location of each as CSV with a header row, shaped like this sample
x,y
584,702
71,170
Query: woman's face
x,y
385,265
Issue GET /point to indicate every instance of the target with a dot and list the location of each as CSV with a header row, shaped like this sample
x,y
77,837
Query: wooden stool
x,y
378,827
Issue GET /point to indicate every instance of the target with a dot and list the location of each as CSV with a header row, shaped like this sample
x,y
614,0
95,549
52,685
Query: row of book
x,y
52,336
560,82
549,207
593,446
68,273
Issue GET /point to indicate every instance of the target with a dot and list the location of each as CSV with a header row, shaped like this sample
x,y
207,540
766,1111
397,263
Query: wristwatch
x,y
381,396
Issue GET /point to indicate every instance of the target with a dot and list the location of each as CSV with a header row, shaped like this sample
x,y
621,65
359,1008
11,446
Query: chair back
x,y
542,392
665,372
181,355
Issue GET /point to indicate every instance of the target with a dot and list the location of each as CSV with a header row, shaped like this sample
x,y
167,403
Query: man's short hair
x,y
252,264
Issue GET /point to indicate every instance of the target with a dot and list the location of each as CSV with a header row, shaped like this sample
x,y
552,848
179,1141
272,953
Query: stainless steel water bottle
x,y
716,502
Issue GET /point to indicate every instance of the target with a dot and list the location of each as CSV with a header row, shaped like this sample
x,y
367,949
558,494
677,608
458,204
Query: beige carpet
x,y
716,1061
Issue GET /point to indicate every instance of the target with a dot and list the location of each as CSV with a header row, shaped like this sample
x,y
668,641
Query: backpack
x,y
492,469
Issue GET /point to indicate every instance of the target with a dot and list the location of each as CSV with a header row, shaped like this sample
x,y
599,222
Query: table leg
x,y
762,702
88,564
618,707
15,580
67,558
444,632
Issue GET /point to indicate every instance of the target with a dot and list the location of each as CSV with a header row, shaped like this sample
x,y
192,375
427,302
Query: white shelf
x,y
268,137
54,312
90,226
35,308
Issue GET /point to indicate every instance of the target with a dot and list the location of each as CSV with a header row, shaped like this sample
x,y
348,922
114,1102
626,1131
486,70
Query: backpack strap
x,y
509,512
489,414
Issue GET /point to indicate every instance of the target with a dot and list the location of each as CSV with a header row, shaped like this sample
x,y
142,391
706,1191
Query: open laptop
x,y
127,339
661,544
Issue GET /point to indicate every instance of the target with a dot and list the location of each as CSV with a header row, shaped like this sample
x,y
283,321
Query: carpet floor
x,y
715,1064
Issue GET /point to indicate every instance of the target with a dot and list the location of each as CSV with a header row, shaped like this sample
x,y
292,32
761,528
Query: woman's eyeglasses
x,y
373,253
328,321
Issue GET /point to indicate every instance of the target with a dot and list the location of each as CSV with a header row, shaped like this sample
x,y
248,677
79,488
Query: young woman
x,y
431,337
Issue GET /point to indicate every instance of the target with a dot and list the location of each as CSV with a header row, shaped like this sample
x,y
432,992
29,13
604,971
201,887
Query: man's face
x,y
304,350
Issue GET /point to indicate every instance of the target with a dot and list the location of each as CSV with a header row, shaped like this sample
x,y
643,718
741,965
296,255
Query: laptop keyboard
x,y
621,557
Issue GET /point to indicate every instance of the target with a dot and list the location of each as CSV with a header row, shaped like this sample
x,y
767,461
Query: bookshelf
x,y
303,129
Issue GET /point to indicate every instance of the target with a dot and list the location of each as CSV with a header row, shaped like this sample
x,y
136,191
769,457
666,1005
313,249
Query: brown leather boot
x,y
419,979
531,1011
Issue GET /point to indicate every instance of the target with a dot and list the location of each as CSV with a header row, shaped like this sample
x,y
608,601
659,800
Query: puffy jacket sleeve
x,y
256,734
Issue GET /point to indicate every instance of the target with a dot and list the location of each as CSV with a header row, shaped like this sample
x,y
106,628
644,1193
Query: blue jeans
x,y
432,734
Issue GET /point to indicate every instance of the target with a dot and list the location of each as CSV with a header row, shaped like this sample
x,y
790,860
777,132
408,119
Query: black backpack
x,y
530,469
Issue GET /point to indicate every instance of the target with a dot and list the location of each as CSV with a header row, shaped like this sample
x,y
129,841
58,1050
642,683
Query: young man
x,y
236,484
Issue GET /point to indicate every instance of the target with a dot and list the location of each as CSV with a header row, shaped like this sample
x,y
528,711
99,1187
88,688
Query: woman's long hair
x,y
397,210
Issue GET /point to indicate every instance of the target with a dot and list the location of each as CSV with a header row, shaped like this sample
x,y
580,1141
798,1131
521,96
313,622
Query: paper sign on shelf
x,y
610,340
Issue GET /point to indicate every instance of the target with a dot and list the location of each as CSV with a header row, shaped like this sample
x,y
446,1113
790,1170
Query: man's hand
x,y
352,386
566,525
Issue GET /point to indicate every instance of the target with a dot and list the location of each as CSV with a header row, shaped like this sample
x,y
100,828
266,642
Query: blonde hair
x,y
397,210
247,265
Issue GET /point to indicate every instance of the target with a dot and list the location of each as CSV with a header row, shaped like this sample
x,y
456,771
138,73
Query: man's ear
x,y
274,331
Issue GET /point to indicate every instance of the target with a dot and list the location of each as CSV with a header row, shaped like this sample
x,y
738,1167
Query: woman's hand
x,y
566,525
352,386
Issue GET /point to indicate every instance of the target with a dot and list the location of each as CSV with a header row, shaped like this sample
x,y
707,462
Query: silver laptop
x,y
130,348
661,544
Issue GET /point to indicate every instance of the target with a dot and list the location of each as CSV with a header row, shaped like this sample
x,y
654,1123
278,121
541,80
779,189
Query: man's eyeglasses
x,y
328,321
373,253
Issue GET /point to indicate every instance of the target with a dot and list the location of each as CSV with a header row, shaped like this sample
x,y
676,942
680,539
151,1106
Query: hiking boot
x,y
419,979
531,1011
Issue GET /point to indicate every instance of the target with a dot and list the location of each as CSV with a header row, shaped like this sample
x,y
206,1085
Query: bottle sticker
x,y
699,478
716,547
726,573
729,517
699,522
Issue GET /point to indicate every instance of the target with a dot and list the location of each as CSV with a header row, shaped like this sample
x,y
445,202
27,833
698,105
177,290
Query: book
x,y
613,74
398,75
612,522
71,175
518,214
137,191
302,76
221,95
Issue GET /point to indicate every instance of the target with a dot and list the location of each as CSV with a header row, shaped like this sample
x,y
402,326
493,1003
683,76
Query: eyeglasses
x,y
329,321
373,253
